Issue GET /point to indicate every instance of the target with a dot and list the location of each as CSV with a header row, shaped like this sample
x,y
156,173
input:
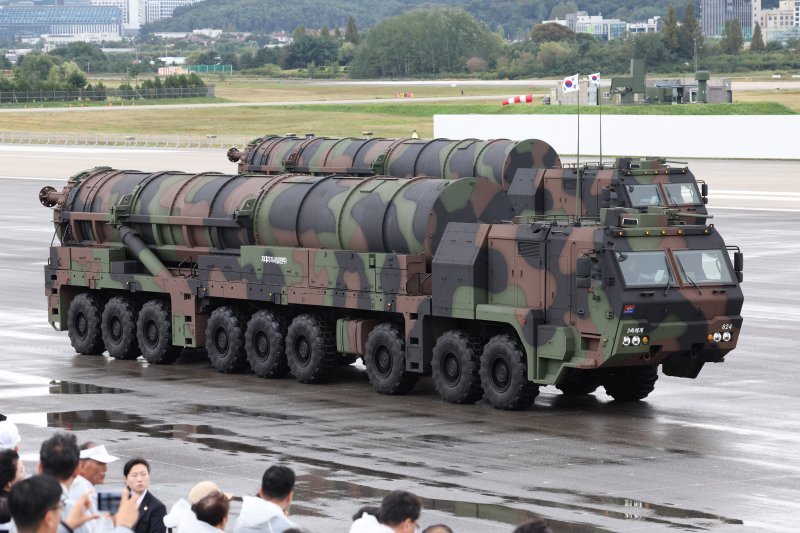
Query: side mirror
x,y
738,262
704,189
583,267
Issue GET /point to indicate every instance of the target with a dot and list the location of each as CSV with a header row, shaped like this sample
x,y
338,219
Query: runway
x,y
718,453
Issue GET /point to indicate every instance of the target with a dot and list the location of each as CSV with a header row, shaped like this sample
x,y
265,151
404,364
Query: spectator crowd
x,y
63,497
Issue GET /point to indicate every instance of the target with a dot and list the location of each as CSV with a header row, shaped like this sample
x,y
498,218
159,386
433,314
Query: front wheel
x,y
631,384
84,324
454,367
154,333
579,382
385,359
504,374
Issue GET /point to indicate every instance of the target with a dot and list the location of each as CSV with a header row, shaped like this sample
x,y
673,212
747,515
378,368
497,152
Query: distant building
x,y
596,25
715,13
162,9
34,21
653,25
777,23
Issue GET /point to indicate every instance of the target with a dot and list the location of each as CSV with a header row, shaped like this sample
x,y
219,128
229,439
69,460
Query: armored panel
x,y
459,270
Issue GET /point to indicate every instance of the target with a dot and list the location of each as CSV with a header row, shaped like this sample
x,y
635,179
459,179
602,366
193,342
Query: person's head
x,y
537,524
203,489
94,463
9,436
213,509
137,475
437,528
35,504
400,511
277,485
59,456
369,509
11,469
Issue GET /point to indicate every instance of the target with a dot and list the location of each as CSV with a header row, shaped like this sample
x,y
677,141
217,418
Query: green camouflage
x,y
416,276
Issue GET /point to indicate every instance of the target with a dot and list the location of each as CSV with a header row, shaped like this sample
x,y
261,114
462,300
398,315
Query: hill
x,y
512,18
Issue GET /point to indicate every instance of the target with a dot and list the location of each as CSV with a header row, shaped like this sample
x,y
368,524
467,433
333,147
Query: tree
x,y
757,42
551,32
732,40
670,32
690,34
351,33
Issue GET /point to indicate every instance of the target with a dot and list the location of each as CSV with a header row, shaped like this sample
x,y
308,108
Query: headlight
x,y
636,341
626,341
717,337
726,336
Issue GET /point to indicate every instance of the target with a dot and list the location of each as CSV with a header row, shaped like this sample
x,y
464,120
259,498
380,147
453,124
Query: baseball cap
x,y
99,454
203,489
9,435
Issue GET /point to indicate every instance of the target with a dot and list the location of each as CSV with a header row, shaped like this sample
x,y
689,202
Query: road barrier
x,y
162,140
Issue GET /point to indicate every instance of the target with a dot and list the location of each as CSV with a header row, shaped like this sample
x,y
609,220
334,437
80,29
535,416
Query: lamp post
x,y
694,39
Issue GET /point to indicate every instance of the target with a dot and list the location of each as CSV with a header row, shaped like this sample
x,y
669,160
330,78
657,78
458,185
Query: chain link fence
x,y
160,140
102,95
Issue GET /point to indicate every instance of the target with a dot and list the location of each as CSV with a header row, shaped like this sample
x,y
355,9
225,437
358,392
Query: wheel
x,y
455,364
579,382
225,340
83,324
119,328
154,333
631,384
504,374
310,349
265,345
385,359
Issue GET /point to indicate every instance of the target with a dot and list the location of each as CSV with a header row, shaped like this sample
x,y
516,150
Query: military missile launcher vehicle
x,y
421,276
531,172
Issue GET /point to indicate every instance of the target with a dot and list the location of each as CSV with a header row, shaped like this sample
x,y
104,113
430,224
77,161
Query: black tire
x,y
265,345
455,367
83,324
225,340
310,349
631,384
154,333
385,359
579,382
504,374
118,327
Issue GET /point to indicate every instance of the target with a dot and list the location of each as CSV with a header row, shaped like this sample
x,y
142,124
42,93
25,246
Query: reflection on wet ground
x,y
325,482
69,387
43,387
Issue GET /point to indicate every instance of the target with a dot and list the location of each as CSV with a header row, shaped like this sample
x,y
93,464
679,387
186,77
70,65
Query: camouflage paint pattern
x,y
499,159
431,254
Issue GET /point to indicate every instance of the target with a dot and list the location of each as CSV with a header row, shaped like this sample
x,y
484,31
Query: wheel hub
x,y
115,329
262,345
452,368
501,376
151,333
383,361
81,325
302,350
221,340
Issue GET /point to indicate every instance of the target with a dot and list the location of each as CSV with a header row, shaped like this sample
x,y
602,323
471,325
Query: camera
x,y
108,501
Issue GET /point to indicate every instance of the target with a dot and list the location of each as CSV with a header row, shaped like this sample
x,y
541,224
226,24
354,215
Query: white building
x,y
596,25
138,12
653,25
777,22
162,9
715,13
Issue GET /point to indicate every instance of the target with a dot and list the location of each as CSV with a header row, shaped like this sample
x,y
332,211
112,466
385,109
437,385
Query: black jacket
x,y
151,515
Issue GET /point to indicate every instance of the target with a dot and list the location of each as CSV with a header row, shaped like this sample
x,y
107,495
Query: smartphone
x,y
108,501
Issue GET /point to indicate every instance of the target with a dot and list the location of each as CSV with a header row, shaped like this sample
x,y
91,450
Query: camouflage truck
x,y
299,274
531,172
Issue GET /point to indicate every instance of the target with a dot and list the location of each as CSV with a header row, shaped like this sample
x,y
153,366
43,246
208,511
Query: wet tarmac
x,y
720,453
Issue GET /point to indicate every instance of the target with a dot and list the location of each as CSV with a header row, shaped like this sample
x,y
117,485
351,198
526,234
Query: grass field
x,y
388,119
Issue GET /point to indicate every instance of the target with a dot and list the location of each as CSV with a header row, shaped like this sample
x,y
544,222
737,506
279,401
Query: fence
x,y
100,95
124,139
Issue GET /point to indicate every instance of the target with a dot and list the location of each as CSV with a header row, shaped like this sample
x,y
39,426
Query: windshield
x,y
704,267
645,269
644,195
683,194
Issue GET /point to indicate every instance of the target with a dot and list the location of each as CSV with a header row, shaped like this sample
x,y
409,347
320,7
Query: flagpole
x,y
578,183
600,105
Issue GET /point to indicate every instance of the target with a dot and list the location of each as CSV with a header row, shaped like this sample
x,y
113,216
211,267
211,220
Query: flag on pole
x,y
594,79
523,98
570,84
